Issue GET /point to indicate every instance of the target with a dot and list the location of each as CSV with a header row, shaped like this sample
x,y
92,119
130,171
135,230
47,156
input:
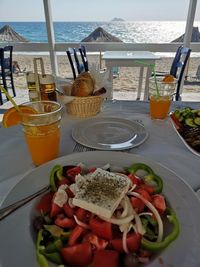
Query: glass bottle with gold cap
x,y
47,87
33,93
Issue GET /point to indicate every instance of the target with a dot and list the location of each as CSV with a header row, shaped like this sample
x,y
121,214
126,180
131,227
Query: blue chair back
x,y
83,54
174,67
76,66
180,68
6,73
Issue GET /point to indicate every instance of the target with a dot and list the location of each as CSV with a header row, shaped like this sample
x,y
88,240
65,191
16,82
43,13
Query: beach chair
x,y
6,71
76,66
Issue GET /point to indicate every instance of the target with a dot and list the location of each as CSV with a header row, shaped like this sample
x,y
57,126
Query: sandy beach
x,y
125,85
126,81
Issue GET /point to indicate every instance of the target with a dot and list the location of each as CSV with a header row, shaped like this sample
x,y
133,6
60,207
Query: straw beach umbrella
x,y
100,35
7,34
195,36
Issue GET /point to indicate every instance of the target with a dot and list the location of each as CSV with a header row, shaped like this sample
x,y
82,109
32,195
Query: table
x,y
131,59
163,145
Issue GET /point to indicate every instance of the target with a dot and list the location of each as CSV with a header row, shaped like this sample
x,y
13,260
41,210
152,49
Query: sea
x,y
127,31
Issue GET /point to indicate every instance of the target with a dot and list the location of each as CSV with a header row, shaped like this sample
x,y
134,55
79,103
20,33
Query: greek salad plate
x,y
17,239
109,133
186,123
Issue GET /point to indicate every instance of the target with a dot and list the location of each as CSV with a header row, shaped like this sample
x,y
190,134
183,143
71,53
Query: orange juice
x,y
159,106
42,130
43,142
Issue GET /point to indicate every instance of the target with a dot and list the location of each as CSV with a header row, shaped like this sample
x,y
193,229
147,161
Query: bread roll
x,y
83,85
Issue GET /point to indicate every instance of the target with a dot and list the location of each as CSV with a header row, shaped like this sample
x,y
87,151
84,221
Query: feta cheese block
x,y
100,192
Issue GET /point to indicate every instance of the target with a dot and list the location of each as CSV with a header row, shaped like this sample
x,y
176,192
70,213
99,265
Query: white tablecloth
x,y
163,144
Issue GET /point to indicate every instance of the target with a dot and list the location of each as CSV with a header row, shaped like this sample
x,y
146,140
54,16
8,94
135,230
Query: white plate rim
x,y
131,123
169,256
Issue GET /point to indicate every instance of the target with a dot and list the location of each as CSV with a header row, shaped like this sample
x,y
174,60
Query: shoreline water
x,y
127,31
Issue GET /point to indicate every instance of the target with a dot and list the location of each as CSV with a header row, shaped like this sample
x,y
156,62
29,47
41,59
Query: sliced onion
x,y
124,241
132,188
124,205
145,213
84,225
119,221
72,187
70,202
139,226
155,212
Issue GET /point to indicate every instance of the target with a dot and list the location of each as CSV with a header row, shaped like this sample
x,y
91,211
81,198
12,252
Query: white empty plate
x,y
109,133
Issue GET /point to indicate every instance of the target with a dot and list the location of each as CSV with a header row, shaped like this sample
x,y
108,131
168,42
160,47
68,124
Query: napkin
x,y
100,77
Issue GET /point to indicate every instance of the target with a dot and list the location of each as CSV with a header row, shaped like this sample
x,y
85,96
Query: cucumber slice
x,y
197,121
186,111
190,122
177,113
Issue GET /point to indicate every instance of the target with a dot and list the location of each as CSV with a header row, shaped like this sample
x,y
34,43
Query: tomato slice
x,y
133,243
78,255
137,204
68,210
96,242
55,209
81,214
76,233
63,181
101,228
159,203
69,192
71,173
134,179
44,204
148,188
144,193
65,222
106,258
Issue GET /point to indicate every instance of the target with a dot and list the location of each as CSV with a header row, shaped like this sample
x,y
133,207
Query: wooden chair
x,y
6,71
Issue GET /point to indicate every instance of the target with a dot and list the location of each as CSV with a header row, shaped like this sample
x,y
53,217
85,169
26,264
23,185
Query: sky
x,y
96,10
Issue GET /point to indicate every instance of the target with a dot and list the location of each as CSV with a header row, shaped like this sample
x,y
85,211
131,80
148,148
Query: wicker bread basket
x,y
85,106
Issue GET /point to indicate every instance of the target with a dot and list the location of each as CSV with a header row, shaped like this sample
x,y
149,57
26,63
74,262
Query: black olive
x,y
38,223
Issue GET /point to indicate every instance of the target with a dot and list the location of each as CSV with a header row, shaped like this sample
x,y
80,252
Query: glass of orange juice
x,y
161,94
42,130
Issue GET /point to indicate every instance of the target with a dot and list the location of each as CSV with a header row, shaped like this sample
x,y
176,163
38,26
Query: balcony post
x,y
51,36
189,23
188,33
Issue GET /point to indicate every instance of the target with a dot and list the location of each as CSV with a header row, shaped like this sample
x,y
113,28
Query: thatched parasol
x,y
100,35
195,36
7,34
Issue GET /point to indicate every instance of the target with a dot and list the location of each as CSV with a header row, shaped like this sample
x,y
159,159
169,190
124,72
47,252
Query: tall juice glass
x,y
160,100
42,130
